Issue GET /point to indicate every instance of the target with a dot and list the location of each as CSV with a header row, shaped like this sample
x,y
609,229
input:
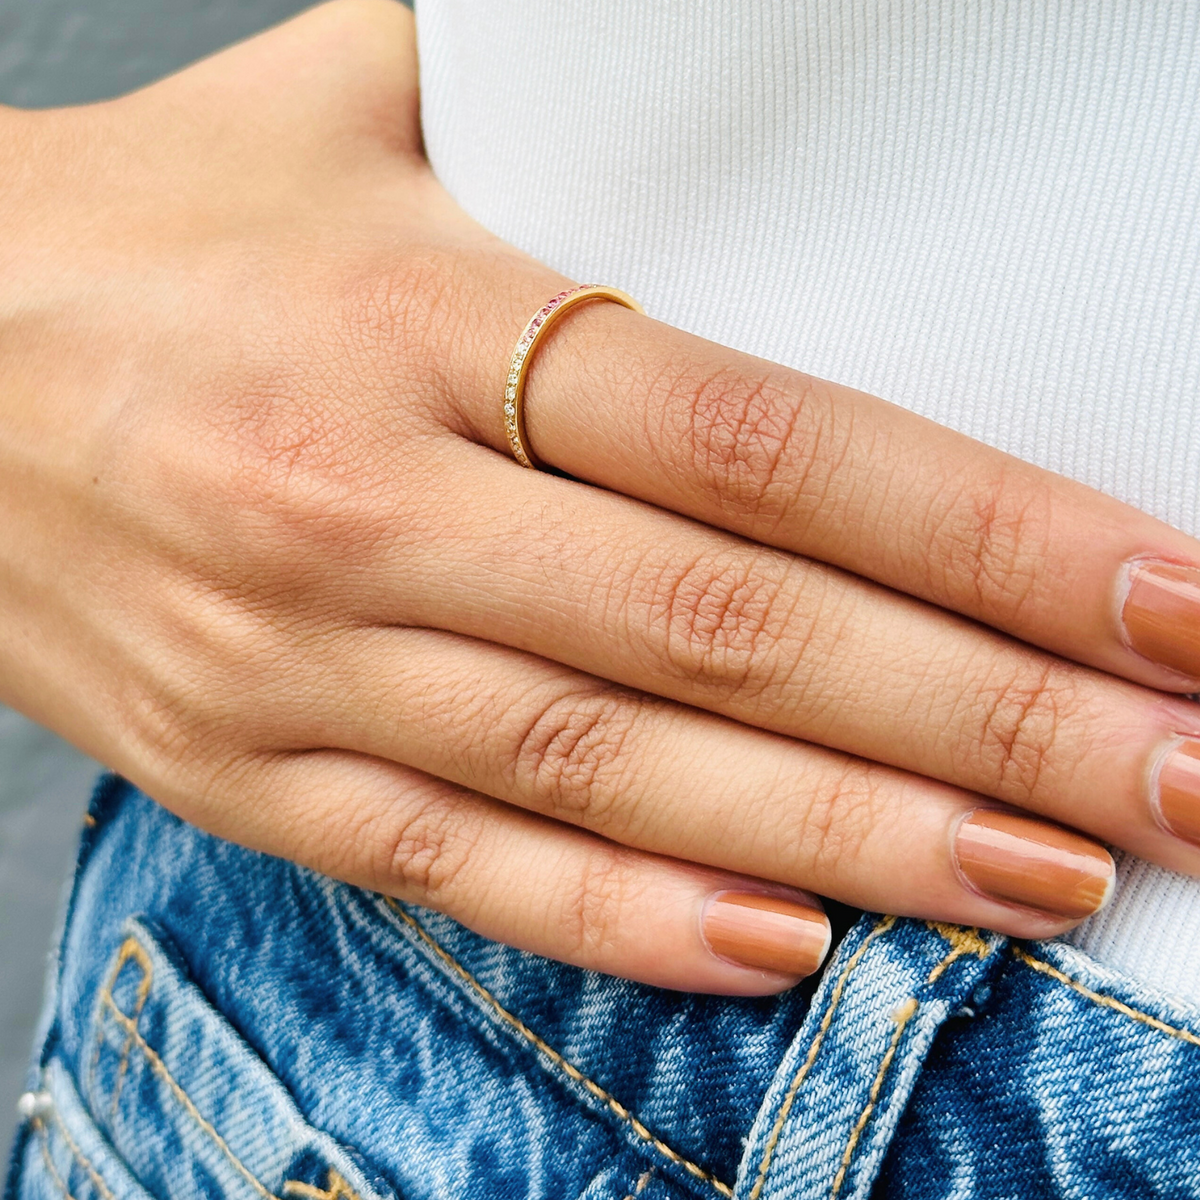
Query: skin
x,y
263,552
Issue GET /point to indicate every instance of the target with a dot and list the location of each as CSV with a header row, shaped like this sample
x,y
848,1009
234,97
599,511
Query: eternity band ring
x,y
522,357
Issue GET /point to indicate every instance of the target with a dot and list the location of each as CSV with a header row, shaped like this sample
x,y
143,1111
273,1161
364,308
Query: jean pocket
x,y
188,1106
65,1157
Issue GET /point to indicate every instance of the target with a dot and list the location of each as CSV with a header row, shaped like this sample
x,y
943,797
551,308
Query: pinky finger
x,y
529,881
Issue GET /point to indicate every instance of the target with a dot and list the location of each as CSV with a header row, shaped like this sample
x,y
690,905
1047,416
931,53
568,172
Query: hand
x,y
264,553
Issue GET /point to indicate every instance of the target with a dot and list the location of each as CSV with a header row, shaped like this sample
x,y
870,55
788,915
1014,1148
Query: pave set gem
x,y
517,367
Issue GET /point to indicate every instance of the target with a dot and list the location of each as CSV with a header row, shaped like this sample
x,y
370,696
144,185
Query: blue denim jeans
x,y
225,1024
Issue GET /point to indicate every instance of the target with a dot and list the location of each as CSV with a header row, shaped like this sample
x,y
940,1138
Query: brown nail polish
x,y
1162,615
1022,861
767,933
1179,792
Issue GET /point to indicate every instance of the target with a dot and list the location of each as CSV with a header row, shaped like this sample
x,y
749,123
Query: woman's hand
x,y
262,550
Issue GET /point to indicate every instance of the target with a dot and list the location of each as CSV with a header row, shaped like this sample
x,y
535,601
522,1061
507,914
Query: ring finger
x,y
665,778
656,602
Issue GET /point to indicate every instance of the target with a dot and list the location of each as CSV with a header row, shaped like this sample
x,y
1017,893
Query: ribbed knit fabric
x,y
985,210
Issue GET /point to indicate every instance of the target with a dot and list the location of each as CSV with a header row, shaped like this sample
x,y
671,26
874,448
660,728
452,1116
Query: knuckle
x,y
297,475
293,496
1019,725
992,543
401,320
594,909
836,823
761,443
204,695
721,620
289,450
575,753
427,851
399,311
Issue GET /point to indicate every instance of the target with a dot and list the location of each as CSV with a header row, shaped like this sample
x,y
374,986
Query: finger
x,y
821,470
640,597
665,778
524,880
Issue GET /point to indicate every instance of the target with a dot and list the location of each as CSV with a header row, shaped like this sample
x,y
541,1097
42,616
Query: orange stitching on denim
x,y
1184,1035
572,1072
963,941
901,1016
106,991
160,1068
82,1158
338,1189
44,1143
131,949
786,1107
639,1185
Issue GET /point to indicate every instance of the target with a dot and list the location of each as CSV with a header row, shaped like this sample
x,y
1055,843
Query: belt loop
x,y
837,1097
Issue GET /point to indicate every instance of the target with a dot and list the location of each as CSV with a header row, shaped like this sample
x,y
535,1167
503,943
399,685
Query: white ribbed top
x,y
985,210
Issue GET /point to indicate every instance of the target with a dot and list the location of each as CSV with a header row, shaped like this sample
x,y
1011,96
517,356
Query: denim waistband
x,y
227,1024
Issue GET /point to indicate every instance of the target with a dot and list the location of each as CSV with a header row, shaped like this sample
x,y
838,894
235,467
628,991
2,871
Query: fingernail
x,y
1178,792
1162,615
1022,861
767,933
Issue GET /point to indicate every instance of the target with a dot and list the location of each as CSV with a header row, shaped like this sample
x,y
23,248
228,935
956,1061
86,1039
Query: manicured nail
x,y
1178,798
1162,615
767,933
1022,861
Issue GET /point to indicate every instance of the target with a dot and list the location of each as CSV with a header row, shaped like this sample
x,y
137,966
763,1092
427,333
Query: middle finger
x,y
645,598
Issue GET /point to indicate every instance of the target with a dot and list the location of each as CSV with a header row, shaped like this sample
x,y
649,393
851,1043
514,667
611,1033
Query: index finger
x,y
818,469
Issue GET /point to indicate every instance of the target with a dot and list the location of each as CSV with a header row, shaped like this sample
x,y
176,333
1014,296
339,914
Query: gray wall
x,y
69,52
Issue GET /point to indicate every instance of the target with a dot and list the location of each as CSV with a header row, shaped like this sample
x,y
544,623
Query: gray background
x,y
69,52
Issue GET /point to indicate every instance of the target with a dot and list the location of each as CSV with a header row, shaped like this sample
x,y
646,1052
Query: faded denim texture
x,y
224,1024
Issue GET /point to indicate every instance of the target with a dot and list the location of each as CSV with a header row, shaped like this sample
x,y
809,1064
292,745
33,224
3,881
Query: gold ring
x,y
522,357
